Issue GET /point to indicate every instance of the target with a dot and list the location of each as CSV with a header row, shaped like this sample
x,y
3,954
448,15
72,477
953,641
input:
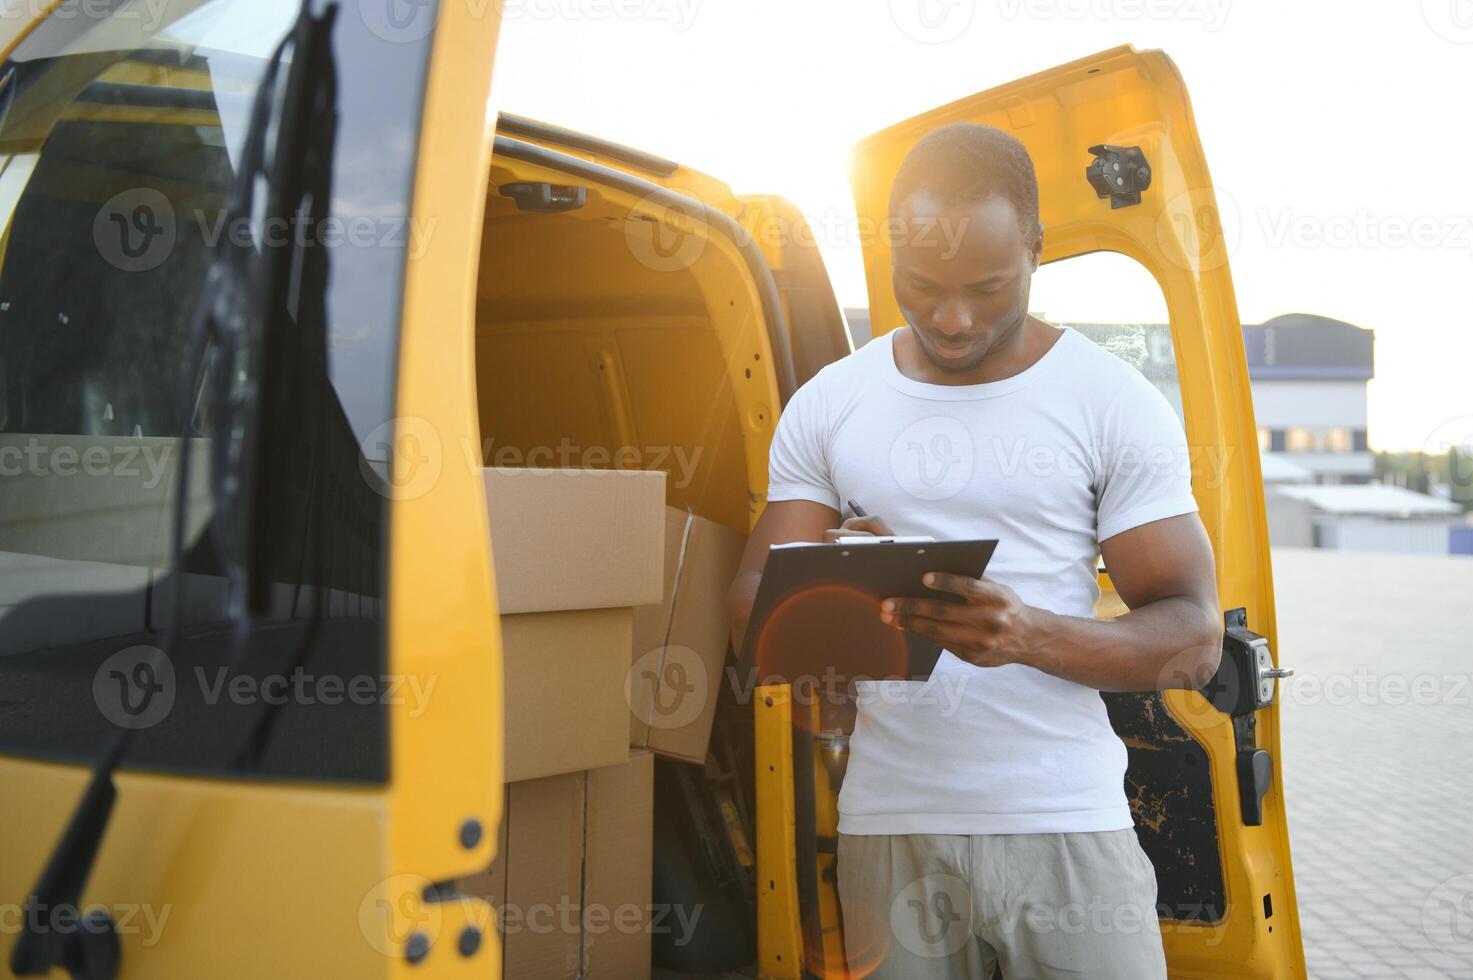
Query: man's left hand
x,y
989,628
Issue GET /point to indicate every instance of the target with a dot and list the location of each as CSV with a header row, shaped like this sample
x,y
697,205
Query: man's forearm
x,y
1171,643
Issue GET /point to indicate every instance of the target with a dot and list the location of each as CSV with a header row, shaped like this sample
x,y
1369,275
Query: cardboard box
x,y
571,881
618,854
564,700
575,539
541,935
679,654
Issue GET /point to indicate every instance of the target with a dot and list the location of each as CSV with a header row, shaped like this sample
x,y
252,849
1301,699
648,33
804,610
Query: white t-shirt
x,y
1073,450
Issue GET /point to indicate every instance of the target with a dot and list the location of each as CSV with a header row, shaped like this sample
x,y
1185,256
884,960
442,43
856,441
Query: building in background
x,y
1309,376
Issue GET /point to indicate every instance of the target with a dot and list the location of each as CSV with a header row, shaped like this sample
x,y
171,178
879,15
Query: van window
x,y
120,138
1116,303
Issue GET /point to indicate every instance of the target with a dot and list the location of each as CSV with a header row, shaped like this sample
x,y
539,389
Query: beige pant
x,y
923,906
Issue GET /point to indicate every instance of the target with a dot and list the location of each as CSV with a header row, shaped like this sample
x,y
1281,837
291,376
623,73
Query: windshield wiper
x,y
226,316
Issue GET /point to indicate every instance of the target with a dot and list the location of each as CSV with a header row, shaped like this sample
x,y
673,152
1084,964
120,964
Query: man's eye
x,y
985,292
923,287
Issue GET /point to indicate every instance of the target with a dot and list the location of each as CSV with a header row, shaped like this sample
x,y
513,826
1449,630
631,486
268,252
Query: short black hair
x,y
964,163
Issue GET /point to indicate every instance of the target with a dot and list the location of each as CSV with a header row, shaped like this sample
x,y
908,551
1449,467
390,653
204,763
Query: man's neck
x,y
1016,354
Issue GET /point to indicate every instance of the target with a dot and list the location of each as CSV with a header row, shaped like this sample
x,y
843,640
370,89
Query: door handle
x,y
1245,683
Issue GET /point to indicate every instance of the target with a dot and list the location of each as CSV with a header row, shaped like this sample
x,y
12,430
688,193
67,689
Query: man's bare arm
x,y
1172,636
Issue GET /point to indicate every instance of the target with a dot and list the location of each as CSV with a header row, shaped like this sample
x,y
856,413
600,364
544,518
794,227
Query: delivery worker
x,y
991,825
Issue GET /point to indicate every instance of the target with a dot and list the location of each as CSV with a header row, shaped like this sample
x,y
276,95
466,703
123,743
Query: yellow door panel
x,y
325,852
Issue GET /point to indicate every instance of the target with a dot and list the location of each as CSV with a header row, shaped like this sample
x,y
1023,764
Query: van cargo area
x,y
612,335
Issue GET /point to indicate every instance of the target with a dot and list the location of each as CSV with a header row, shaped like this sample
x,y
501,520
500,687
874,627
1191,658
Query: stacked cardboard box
x,y
614,635
575,551
680,645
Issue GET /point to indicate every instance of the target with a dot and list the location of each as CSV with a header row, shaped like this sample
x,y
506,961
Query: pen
x,y
854,506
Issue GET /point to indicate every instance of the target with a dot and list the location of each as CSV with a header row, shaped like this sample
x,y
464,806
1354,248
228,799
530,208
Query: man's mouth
x,y
952,350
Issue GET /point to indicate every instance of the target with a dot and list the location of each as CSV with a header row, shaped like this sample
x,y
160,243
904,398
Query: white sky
x,y
1339,134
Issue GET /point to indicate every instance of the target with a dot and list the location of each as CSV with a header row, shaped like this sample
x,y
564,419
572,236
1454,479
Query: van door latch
x,y
1119,173
1243,684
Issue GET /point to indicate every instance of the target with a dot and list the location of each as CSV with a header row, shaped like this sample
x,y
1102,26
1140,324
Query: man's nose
x,y
952,317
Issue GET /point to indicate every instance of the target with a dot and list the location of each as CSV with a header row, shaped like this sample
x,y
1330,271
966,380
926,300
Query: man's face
x,y
961,276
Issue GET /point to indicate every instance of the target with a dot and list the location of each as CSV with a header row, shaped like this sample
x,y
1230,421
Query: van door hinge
x,y
1244,684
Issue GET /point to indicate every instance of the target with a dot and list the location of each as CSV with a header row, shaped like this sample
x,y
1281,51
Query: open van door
x,y
1120,169
251,711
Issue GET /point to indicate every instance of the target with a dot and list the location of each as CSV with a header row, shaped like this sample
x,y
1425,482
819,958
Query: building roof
x,y
1305,347
1375,499
1278,469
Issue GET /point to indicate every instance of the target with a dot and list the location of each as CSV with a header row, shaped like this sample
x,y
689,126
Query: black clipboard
x,y
875,570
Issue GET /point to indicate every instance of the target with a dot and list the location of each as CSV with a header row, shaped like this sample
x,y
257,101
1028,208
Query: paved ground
x,y
1378,759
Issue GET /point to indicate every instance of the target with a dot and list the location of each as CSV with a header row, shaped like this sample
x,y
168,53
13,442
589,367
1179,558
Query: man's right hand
x,y
871,526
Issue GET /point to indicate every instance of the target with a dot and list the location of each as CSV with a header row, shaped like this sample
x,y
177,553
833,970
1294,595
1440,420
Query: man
x,y
993,826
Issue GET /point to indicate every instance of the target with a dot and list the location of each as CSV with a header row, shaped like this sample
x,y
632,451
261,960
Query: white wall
x,y
1382,534
1281,404
1290,520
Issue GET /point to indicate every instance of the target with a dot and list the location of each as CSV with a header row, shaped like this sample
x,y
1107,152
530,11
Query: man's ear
x,y
1036,251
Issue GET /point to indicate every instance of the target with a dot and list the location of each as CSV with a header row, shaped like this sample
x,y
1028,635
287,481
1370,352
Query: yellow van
x,y
271,282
